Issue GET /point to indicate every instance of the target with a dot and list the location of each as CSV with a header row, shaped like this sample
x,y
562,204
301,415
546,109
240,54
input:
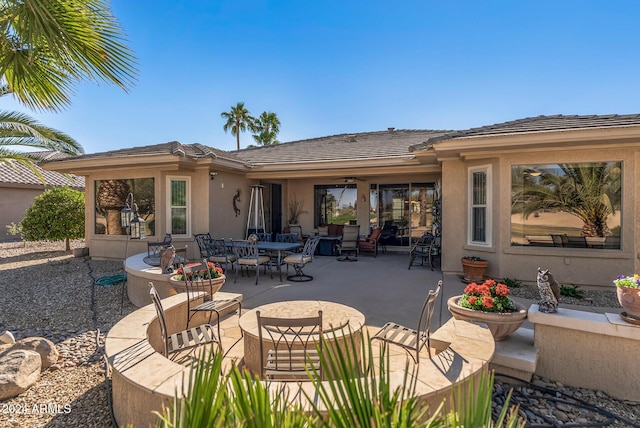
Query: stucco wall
x,y
569,265
223,221
14,202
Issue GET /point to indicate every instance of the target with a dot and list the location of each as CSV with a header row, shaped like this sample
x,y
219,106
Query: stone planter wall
x,y
588,350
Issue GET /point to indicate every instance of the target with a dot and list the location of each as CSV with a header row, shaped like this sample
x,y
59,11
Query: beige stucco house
x,y
19,186
489,181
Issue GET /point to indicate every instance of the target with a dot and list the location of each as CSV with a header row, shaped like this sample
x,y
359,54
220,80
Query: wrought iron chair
x,y
176,342
370,243
201,239
289,347
412,340
300,260
218,252
155,249
203,288
422,250
247,255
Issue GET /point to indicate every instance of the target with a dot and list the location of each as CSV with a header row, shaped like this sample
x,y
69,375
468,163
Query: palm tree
x,y
20,130
238,120
266,129
582,190
47,46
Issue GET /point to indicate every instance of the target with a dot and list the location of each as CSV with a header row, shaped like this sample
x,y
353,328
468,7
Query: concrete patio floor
x,y
382,288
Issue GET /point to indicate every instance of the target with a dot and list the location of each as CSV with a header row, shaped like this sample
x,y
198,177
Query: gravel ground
x,y
47,292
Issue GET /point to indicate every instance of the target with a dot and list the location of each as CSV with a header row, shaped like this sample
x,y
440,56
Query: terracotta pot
x,y
217,283
474,270
501,324
629,299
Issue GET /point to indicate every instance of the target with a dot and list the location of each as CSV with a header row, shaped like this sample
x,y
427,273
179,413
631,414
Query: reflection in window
x,y
335,204
110,197
575,205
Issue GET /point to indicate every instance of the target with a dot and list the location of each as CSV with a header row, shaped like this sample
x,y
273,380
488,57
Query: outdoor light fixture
x,y
126,215
138,227
213,175
129,218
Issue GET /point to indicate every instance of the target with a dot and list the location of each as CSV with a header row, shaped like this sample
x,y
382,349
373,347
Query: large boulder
x,y
19,370
46,348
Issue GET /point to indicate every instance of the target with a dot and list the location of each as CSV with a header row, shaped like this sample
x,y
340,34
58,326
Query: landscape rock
x,y
46,348
19,370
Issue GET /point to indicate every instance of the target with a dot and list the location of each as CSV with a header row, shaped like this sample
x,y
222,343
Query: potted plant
x,y
489,302
473,268
628,291
218,278
295,209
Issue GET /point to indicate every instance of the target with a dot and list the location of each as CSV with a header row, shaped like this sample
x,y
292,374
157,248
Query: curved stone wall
x,y
143,379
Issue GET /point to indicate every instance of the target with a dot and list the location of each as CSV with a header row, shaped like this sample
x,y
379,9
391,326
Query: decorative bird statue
x,y
166,261
549,292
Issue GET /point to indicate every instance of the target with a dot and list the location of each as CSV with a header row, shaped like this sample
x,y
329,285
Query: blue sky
x,y
332,67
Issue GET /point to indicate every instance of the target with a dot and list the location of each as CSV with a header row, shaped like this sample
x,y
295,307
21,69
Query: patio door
x,y
403,211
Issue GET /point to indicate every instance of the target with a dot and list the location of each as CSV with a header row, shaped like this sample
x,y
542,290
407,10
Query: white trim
x,y
487,170
187,179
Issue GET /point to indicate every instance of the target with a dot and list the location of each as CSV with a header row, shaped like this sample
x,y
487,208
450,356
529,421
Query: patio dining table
x,y
279,247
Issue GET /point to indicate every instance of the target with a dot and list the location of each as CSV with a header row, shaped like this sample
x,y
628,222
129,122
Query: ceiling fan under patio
x,y
350,180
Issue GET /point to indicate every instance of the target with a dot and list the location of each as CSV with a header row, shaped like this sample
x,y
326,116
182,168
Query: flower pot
x,y
474,270
629,299
501,324
217,283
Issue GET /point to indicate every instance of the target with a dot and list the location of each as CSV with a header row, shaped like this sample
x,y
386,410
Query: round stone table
x,y
338,323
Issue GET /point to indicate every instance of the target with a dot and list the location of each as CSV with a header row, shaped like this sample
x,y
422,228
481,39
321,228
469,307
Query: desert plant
x,y
217,398
295,209
571,291
511,282
55,215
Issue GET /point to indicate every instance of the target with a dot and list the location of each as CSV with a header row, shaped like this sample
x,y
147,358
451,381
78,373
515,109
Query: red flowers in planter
x,y
490,296
214,270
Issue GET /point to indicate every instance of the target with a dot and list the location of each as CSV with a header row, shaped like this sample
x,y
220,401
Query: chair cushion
x,y
297,258
253,262
231,258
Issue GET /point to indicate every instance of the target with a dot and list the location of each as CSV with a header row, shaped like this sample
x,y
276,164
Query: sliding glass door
x,y
403,211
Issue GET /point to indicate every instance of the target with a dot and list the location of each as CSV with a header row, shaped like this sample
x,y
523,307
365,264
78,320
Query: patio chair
x,y
296,228
247,255
388,235
422,250
201,239
370,243
204,289
176,342
286,237
155,249
218,252
289,347
349,243
264,236
299,260
411,340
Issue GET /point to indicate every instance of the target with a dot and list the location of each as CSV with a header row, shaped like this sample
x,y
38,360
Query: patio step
x,y
516,355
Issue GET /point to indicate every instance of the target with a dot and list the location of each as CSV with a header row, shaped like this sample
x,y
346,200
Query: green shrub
x,y
571,291
510,282
55,215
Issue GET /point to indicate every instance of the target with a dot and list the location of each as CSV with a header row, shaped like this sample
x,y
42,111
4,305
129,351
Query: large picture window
x,y
335,204
479,206
575,205
110,197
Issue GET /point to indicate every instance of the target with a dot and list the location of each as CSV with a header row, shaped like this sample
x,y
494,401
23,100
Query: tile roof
x,y
16,173
189,150
364,145
541,124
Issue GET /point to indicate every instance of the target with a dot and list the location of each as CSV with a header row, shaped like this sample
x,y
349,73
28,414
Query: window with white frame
x,y
479,220
178,210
